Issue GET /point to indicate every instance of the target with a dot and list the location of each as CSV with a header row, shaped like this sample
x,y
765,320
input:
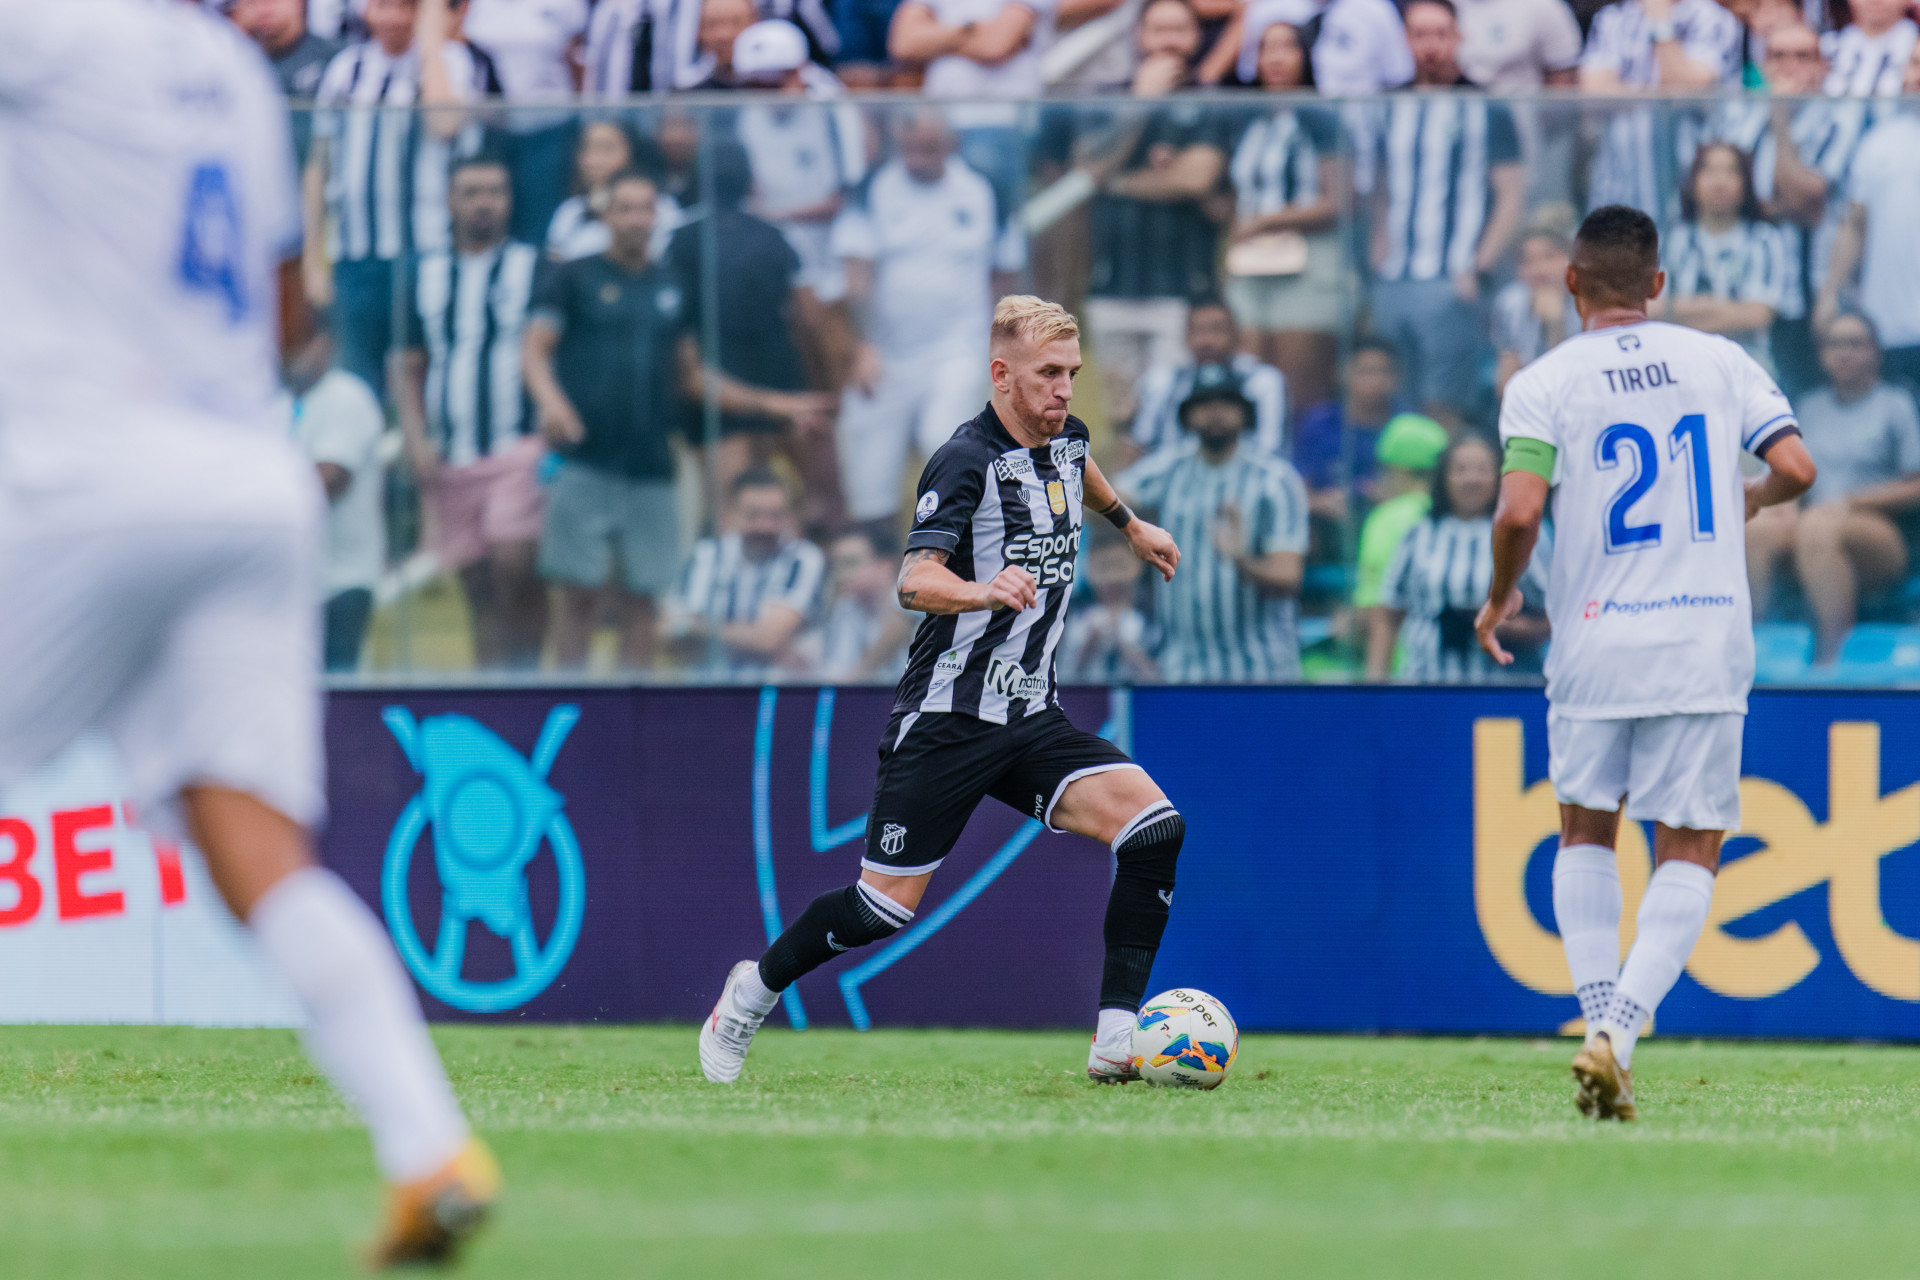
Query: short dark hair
x,y
479,160
1617,254
1848,313
1448,5
1374,342
632,175
729,174
1211,302
755,478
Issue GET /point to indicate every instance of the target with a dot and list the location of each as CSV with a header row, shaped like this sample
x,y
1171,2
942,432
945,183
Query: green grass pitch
x,y
151,1153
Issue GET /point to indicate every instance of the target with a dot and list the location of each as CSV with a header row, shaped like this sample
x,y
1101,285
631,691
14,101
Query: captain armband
x,y
1527,454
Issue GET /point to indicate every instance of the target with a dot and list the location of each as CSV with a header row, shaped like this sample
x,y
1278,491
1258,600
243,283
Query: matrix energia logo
x,y
487,811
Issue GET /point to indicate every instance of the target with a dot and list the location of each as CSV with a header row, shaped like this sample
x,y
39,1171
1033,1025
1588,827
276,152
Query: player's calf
x,y
1146,853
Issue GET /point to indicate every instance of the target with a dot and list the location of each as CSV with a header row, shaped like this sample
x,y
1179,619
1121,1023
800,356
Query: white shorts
x,y
1683,771
922,398
171,597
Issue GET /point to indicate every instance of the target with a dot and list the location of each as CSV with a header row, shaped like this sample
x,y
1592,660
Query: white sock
x,y
364,1025
1114,1023
1671,917
754,993
1586,905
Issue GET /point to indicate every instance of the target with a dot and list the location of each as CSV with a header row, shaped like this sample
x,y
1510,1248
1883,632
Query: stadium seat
x,y
1879,653
1782,651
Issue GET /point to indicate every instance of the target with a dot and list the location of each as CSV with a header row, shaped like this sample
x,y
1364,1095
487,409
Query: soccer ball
x,y
1185,1039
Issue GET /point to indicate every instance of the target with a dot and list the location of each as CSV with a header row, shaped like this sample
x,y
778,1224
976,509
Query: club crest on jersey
x,y
1010,467
1629,341
893,840
929,503
1065,451
1057,497
1010,680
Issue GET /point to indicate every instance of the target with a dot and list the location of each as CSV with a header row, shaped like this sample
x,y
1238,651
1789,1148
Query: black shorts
x,y
935,768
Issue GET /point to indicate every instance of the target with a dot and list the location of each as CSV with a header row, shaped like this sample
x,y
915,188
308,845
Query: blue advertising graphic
x,y
1381,860
487,811
1357,859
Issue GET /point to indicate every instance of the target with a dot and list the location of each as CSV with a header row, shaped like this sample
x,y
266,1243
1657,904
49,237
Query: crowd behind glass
x,y
639,323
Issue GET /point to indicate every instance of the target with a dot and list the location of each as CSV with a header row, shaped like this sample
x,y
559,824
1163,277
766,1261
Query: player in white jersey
x,y
1638,428
159,531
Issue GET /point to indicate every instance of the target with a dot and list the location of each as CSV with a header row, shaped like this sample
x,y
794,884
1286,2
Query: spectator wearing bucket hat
x,y
1240,516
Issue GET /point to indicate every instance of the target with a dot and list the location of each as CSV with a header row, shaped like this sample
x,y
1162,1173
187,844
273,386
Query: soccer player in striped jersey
x,y
990,561
1638,429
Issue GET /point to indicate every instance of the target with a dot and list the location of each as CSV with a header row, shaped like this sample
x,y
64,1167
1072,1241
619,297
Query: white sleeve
x,y
1714,44
1526,411
853,234
38,42
1393,57
1603,41
1559,36
802,579
1767,265
1393,586
1266,386
1010,248
1154,412
1283,525
1866,165
1145,482
342,423
1765,414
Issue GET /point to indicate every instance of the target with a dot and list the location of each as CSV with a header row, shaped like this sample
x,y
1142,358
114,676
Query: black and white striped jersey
x,y
989,502
469,314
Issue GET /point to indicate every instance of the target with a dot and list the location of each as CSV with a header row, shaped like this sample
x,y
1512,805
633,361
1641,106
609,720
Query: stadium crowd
x,y
640,320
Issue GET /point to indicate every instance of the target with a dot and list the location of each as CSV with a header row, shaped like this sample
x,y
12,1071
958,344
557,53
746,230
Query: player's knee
x,y
1148,847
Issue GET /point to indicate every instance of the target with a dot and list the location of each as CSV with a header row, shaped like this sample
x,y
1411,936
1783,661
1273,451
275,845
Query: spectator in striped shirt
x,y
464,414
1641,46
1726,267
606,149
863,637
1870,53
1438,580
1449,191
1283,256
1213,349
1875,239
1801,153
377,184
1534,313
744,595
1155,243
1229,615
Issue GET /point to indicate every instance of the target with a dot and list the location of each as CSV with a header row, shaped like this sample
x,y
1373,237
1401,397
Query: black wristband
x,y
1119,515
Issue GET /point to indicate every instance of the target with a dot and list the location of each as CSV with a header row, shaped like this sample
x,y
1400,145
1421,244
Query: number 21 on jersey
x,y
1626,444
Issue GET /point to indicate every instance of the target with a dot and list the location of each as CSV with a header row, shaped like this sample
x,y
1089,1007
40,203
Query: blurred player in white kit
x,y
1638,427
159,532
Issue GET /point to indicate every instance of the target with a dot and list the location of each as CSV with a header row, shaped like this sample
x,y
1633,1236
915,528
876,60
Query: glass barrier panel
x,y
656,383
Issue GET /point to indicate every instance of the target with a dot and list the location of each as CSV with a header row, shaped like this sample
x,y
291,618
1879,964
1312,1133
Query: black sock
x,y
1137,909
834,922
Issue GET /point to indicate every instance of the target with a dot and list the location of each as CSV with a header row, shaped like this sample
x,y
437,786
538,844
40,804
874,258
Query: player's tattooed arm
x,y
926,585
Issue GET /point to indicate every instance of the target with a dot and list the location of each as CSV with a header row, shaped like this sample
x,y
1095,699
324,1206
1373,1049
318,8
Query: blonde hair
x,y
1021,316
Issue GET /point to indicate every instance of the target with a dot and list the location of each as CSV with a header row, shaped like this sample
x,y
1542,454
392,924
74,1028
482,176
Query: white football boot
x,y
1110,1061
728,1033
